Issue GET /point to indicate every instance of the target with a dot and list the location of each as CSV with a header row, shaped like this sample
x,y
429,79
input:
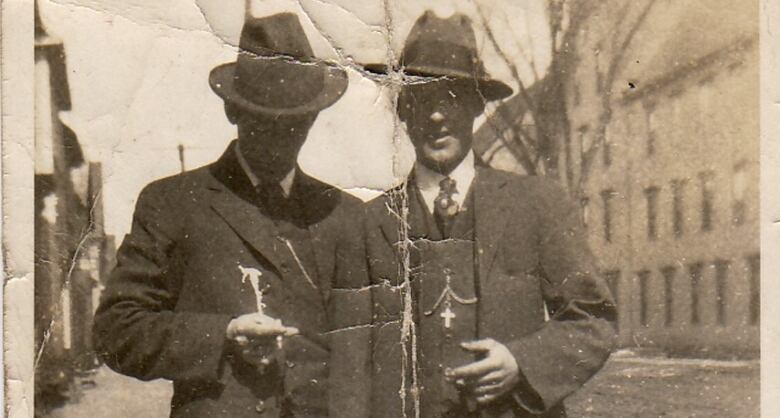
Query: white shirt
x,y
428,180
286,183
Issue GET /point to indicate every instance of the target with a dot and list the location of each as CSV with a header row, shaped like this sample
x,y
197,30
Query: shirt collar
x,y
428,180
286,183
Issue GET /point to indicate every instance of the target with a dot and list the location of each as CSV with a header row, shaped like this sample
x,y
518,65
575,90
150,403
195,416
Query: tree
x,y
534,126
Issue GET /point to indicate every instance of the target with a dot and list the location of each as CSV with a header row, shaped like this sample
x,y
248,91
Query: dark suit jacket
x,y
531,252
176,286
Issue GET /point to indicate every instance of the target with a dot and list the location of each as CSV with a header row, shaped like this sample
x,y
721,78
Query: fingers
x,y
485,399
473,370
492,377
489,389
264,326
479,346
254,326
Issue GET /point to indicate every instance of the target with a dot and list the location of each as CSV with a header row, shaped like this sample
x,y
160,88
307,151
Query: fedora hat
x,y
446,48
276,72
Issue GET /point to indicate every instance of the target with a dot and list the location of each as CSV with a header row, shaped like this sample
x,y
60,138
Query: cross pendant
x,y
448,316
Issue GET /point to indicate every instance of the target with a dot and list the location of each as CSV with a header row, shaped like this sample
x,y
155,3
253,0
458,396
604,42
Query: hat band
x,y
278,81
442,59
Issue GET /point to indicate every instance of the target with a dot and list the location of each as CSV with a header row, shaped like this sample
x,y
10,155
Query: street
x,y
628,386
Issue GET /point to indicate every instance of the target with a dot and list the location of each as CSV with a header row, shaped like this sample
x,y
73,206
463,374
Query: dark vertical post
x,y
181,157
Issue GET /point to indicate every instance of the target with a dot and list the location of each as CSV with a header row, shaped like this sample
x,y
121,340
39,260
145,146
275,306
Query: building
x,y
663,154
70,241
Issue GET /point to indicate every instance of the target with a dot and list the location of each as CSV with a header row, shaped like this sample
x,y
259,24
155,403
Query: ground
x,y
628,386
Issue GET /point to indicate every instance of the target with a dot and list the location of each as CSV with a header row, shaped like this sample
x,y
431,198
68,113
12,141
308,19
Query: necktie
x,y
273,200
445,207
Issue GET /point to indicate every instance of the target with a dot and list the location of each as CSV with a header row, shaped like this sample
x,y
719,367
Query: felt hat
x,y
276,72
446,48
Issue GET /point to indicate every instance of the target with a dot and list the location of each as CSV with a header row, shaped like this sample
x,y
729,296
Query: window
x,y
707,200
721,276
695,272
678,210
668,272
644,283
754,263
738,186
651,194
606,197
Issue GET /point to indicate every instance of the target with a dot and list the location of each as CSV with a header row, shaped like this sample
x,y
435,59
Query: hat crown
x,y
280,34
272,68
442,47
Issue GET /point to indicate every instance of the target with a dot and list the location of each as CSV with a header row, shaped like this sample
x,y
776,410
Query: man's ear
x,y
232,112
403,106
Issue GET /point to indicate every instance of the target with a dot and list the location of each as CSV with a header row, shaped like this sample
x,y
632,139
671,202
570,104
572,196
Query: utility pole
x,y
181,157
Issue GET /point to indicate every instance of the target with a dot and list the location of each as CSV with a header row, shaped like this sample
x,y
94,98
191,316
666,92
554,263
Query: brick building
x,y
671,197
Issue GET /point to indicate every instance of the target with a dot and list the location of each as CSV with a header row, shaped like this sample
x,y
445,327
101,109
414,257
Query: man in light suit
x,y
223,283
485,300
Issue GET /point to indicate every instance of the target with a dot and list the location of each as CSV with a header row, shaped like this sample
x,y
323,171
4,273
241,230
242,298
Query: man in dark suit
x,y
223,282
485,300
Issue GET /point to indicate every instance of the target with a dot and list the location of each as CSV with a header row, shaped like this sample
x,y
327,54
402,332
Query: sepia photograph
x,y
396,208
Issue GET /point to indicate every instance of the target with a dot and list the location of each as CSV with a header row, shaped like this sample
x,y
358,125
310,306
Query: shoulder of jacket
x,y
176,186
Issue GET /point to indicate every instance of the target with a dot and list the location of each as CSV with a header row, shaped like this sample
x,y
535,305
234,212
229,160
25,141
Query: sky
x,y
138,73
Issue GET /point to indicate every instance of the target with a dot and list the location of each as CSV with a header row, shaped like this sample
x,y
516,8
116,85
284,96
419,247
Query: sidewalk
x,y
108,394
628,386
665,387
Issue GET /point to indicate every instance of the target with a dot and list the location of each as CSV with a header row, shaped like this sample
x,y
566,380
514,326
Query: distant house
x,y
671,202
69,240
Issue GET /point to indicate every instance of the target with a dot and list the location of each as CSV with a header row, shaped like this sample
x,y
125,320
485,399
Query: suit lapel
x,y
324,255
254,228
391,223
234,199
492,207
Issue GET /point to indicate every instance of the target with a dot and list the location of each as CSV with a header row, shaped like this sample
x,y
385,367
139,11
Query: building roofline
x,y
724,57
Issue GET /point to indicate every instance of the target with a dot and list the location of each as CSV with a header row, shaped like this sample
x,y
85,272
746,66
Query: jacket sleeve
x,y
350,314
578,337
137,330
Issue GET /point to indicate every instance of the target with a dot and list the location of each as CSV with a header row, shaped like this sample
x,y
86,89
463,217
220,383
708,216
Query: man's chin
x,y
441,165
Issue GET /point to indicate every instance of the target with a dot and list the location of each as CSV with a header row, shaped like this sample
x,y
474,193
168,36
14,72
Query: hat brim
x,y
335,81
490,89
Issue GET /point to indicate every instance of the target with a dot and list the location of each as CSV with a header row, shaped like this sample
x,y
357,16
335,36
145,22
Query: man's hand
x,y
256,326
257,335
491,377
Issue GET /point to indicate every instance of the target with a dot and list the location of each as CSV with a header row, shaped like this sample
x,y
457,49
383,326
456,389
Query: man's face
x,y
439,118
271,143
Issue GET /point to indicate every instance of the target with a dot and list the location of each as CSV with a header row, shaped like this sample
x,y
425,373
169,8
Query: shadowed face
x,y
270,144
439,118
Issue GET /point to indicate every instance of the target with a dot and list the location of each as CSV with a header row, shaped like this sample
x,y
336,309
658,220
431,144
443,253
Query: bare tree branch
x,y
618,55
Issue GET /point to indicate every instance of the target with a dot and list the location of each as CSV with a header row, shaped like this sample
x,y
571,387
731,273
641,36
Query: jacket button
x,y
260,407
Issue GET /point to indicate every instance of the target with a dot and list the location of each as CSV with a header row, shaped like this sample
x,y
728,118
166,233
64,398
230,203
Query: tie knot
x,y
444,202
448,186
